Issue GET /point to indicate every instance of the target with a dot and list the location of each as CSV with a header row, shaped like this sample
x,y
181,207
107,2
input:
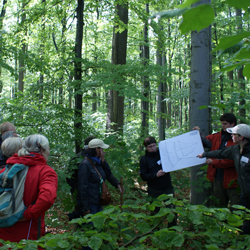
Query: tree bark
x,y
145,80
115,112
200,94
78,75
242,85
3,12
22,55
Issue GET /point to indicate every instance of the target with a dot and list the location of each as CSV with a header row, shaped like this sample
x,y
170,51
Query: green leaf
x,y
143,227
99,221
246,71
238,4
168,13
143,238
197,18
229,41
212,247
63,244
95,242
108,210
234,220
243,55
231,67
178,240
52,243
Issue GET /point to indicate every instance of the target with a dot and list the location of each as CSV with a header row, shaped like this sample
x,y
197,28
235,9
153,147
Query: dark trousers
x,y
245,201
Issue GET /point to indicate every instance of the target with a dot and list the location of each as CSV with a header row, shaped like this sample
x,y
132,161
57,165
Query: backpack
x,y
12,182
72,171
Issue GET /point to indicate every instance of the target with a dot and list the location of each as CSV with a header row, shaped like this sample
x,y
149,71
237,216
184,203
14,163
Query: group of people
x,y
40,188
228,168
229,164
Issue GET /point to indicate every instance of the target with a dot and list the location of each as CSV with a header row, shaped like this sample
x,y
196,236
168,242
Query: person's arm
x,y
147,175
205,140
46,194
110,177
83,176
225,153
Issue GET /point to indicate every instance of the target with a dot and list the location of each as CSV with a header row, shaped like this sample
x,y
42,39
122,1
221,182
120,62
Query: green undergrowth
x,y
135,226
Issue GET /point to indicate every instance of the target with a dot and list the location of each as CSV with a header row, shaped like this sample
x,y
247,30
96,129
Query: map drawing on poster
x,y
181,151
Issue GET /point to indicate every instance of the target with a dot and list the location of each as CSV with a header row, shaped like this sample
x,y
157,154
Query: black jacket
x,y
148,170
89,183
3,160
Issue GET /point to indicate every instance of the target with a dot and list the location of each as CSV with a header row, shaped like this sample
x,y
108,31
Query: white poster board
x,y
181,151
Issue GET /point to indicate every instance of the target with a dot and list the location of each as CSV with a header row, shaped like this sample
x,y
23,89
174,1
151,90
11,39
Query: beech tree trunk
x,y
115,111
3,12
145,81
78,76
200,94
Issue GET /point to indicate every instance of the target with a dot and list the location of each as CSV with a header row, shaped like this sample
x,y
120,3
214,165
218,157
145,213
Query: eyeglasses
x,y
152,146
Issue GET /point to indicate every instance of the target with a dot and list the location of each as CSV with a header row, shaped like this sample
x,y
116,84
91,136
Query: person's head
x,y
97,145
228,120
240,133
87,140
150,144
37,144
11,145
9,134
7,126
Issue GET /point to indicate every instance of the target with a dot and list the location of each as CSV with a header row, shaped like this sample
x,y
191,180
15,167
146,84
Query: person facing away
x,y
39,190
88,196
159,182
9,147
6,127
221,172
240,154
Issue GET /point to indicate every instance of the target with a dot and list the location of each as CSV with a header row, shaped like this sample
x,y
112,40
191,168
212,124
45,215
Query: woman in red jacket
x,y
39,191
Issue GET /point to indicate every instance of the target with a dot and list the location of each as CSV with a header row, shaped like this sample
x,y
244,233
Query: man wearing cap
x,y
88,179
221,172
240,153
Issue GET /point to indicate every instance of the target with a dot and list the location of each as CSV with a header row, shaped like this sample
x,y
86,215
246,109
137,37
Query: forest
x,y
122,70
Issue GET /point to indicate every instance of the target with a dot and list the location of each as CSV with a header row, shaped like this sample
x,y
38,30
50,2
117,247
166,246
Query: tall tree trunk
x,y
145,80
22,55
200,94
78,76
161,103
115,112
95,98
3,12
242,85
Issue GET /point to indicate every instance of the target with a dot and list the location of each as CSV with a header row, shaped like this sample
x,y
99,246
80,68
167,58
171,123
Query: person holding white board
x,y
240,153
159,182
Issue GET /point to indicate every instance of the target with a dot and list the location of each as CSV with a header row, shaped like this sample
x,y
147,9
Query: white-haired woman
x,y
39,191
9,147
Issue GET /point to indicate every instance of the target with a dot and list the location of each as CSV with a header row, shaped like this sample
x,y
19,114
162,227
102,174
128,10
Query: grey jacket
x,y
241,162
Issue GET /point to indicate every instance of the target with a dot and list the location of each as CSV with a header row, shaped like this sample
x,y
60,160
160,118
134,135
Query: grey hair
x,y
34,143
8,134
11,145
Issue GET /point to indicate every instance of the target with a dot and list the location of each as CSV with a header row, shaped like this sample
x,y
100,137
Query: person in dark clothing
x,y
240,154
222,172
88,196
159,182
